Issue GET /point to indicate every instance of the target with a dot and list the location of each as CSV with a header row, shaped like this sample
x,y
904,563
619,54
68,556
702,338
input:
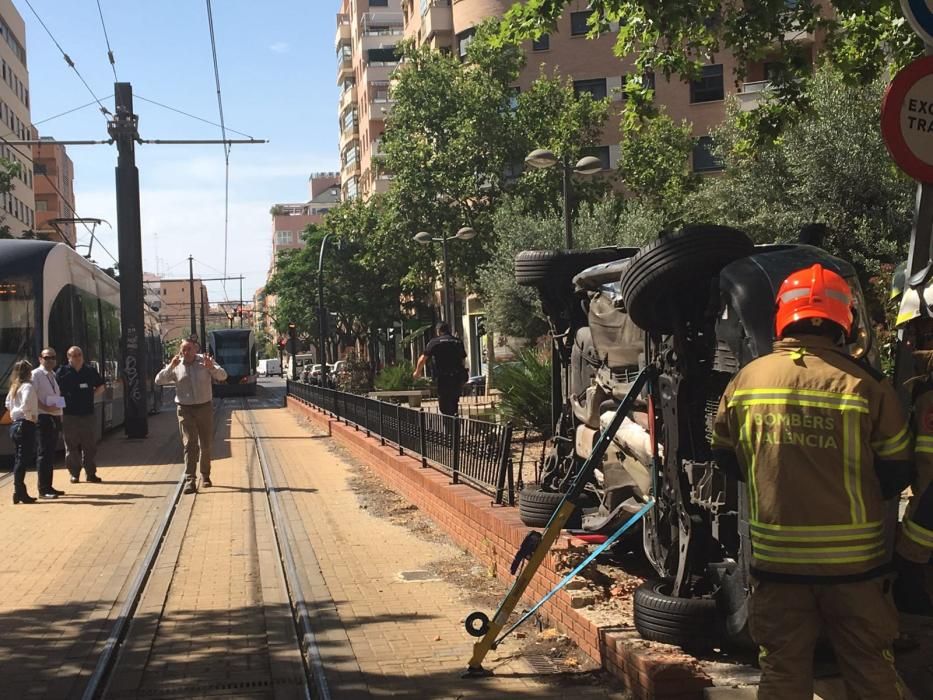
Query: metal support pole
x,y
241,301
322,316
194,318
568,224
448,312
455,435
382,429
123,130
422,439
203,319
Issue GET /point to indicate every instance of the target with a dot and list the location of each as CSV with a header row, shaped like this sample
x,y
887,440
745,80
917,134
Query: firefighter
x,y
915,536
821,442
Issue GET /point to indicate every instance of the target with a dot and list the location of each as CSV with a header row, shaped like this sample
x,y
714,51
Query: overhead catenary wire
x,y
63,198
113,62
223,132
70,111
71,64
192,116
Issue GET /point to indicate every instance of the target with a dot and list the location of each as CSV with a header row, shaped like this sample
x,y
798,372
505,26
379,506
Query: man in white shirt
x,y
50,421
191,374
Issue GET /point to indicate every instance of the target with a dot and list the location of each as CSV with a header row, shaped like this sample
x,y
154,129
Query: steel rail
x,y
314,665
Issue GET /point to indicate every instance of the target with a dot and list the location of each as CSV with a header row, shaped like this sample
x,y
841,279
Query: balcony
x,y
436,18
752,94
347,99
344,30
348,133
381,24
344,66
350,170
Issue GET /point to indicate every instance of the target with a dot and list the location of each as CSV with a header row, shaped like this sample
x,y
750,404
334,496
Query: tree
x,y
868,38
8,170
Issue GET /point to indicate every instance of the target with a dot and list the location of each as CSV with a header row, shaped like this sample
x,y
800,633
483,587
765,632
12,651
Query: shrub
x,y
356,378
398,378
526,391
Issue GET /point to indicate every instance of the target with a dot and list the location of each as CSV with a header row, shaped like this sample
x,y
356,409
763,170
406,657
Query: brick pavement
x,y
379,635
64,564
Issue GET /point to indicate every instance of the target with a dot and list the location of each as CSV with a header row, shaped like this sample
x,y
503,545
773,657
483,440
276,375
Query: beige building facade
x,y
367,33
175,306
593,67
54,192
15,122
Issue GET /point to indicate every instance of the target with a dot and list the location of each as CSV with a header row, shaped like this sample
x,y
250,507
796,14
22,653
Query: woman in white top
x,y
23,406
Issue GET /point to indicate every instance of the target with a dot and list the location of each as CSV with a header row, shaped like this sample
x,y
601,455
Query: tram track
x,y
131,645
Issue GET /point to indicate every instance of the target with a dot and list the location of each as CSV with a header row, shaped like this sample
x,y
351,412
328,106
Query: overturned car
x,y
695,305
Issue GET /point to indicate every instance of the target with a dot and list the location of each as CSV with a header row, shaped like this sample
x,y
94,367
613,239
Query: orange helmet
x,y
814,292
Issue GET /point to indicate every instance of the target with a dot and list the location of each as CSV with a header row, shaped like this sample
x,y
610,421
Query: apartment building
x,y
594,68
175,306
20,204
54,191
367,32
290,219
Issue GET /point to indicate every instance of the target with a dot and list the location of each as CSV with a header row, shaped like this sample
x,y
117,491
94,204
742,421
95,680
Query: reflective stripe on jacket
x,y
915,538
807,425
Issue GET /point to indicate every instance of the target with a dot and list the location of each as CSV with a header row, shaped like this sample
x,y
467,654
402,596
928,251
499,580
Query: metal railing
x,y
474,452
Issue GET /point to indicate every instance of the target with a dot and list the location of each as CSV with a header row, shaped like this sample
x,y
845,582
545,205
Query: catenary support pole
x,y
194,318
203,318
123,130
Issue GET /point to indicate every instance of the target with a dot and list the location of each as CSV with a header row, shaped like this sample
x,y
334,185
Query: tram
x,y
236,351
50,296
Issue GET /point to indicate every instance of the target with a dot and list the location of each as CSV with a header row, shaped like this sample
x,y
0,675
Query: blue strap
x,y
595,553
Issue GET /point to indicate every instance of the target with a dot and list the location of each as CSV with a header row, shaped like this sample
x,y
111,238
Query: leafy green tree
x,y
673,38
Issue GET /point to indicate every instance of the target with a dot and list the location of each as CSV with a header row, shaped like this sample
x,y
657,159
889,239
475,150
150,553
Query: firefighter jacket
x,y
816,435
915,538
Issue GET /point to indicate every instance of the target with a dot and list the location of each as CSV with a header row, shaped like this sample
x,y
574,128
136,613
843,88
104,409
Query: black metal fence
x,y
475,452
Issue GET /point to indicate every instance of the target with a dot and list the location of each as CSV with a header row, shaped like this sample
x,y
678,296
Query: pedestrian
x,y
23,406
448,354
915,536
821,442
80,385
49,425
191,373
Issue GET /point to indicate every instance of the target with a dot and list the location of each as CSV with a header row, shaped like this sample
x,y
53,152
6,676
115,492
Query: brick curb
x,y
494,534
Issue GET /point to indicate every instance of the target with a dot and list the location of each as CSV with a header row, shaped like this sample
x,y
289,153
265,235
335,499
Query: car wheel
x,y
535,508
691,623
669,278
556,268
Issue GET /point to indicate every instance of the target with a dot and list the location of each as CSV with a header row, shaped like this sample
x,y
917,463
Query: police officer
x,y
448,354
80,384
820,441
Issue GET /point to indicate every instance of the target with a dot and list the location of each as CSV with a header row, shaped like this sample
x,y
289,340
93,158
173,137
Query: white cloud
x,y
280,47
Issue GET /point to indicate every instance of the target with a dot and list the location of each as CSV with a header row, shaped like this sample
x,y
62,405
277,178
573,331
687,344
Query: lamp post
x,y
425,238
322,319
542,158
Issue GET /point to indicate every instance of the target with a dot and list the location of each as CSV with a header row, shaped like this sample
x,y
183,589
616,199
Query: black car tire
x,y
556,268
535,508
671,276
691,623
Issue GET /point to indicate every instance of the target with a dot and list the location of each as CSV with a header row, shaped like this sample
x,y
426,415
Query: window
x,y
709,88
42,205
704,160
378,3
464,39
596,87
382,55
40,169
579,22
601,152
542,43
284,237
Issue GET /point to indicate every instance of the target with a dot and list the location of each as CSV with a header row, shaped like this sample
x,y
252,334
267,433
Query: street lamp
x,y
424,238
322,319
542,158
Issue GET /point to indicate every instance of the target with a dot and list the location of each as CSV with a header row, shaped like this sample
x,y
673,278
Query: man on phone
x,y
191,373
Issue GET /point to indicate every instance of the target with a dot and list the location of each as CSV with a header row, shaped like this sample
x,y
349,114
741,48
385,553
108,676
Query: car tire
x,y
556,268
670,277
535,508
691,623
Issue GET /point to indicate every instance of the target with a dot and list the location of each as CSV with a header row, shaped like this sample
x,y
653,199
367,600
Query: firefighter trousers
x,y
859,619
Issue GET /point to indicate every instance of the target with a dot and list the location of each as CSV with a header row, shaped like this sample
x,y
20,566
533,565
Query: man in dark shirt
x,y
80,384
448,355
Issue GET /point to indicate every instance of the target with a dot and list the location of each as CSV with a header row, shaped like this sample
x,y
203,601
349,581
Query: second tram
x,y
236,351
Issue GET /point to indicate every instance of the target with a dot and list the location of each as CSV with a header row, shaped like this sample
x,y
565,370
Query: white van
x,y
269,366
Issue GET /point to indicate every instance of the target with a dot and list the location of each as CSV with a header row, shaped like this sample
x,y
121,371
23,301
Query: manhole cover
x,y
418,575
542,663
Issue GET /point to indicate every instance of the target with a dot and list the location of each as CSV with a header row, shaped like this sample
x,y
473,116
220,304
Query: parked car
x,y
696,306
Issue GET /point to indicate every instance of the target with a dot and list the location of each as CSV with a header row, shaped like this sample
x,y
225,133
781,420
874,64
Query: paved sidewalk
x,y
380,635
64,563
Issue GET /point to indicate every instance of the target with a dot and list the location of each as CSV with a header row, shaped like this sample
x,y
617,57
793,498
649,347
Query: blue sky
x,y
277,71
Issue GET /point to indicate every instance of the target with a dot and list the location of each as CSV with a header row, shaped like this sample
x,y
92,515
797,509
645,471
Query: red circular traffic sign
x,y
907,119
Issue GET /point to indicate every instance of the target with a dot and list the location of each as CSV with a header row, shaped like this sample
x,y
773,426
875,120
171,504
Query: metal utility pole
x,y
241,301
203,322
194,319
123,130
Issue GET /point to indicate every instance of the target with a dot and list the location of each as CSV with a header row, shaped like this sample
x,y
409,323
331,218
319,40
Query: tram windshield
x,y
17,324
232,352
